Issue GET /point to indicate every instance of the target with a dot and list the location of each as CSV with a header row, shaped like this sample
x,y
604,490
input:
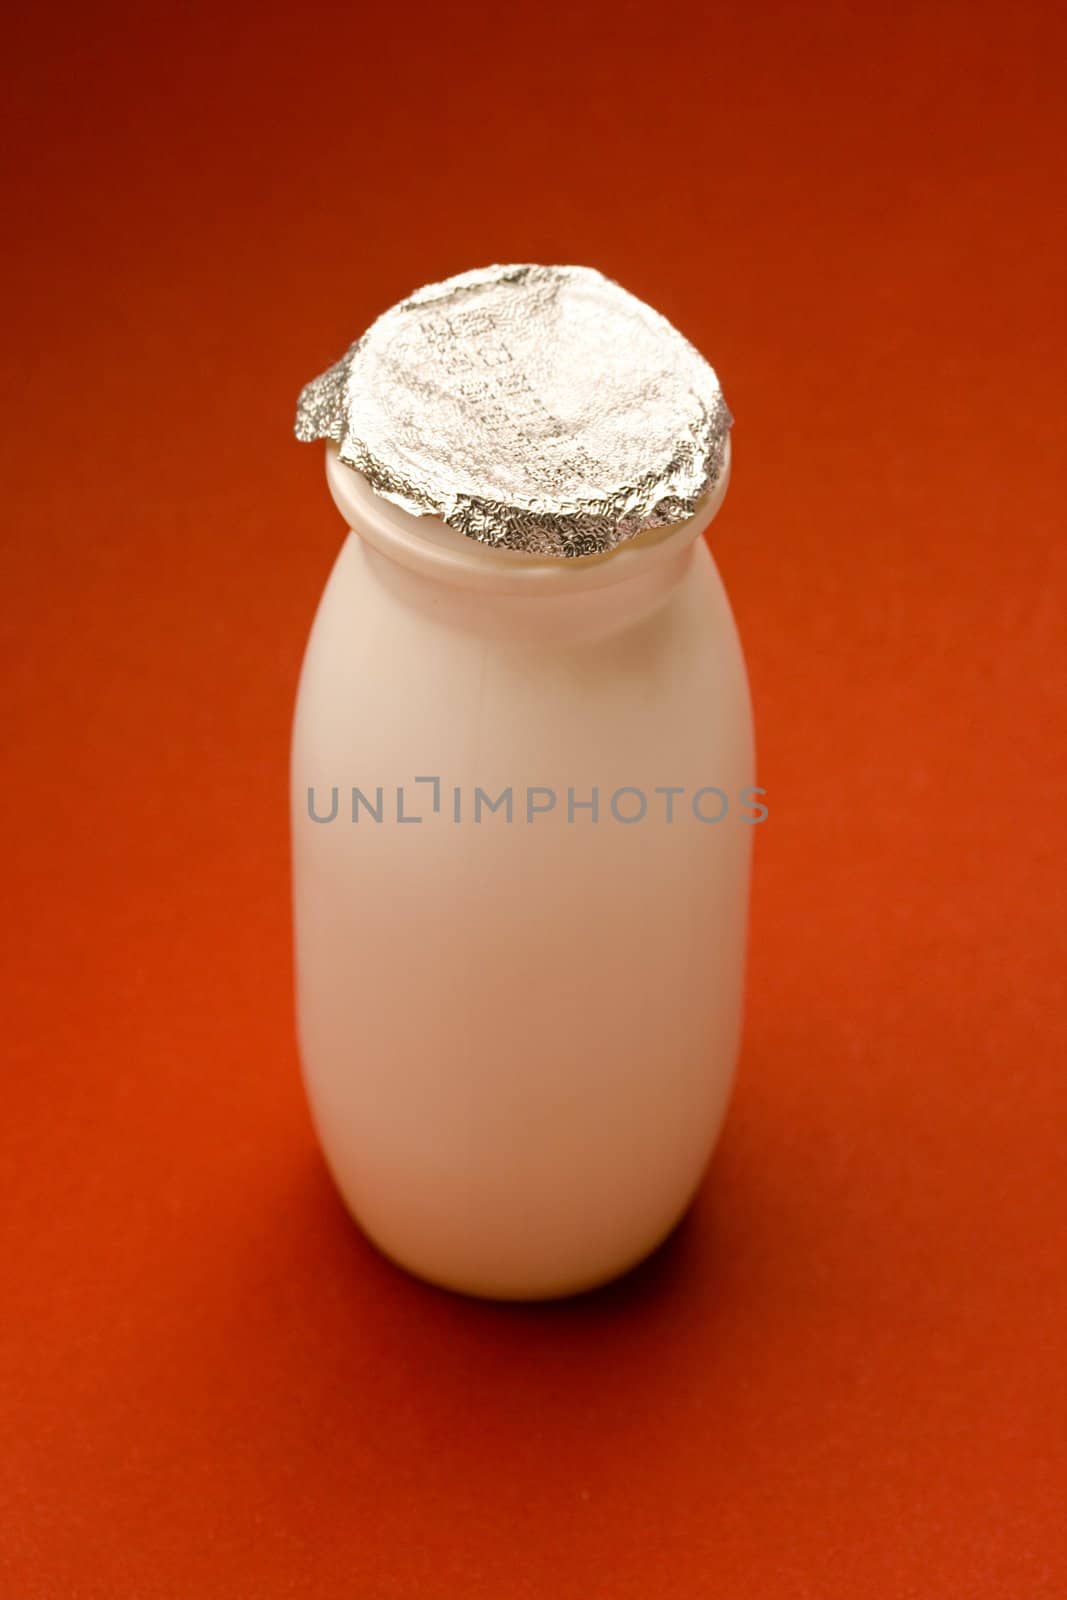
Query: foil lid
x,y
532,408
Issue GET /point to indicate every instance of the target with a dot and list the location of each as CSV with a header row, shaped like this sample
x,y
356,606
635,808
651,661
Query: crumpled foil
x,y
533,408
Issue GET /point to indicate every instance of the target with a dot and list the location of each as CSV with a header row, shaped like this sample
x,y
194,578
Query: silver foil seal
x,y
532,408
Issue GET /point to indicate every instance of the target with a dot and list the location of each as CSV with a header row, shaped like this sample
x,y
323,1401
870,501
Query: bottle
x,y
522,809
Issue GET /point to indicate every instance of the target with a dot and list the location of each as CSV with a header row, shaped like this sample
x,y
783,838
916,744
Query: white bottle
x,y
518,1037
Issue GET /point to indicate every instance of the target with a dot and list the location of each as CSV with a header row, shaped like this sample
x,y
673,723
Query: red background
x,y
843,1377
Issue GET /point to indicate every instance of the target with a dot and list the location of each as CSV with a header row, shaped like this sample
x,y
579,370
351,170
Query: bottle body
x,y
520,904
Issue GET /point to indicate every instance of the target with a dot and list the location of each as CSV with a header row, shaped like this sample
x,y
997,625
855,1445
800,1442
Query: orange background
x,y
843,1377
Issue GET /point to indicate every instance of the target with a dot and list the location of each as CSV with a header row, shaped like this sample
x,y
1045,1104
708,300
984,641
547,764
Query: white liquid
x,y
519,1038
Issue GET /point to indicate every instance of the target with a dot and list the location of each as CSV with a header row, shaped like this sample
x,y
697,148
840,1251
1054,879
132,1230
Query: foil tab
x,y
533,408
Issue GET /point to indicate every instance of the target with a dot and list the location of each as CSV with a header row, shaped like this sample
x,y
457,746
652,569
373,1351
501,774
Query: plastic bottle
x,y
518,1032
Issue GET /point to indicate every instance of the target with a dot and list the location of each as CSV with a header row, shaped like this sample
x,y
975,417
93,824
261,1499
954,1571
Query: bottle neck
x,y
425,562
